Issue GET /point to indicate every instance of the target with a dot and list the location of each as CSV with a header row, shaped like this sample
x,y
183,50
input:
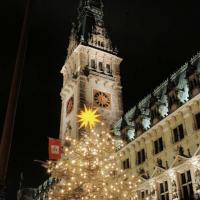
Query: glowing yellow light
x,y
88,118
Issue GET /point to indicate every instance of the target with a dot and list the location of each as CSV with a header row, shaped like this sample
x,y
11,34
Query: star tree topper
x,y
88,118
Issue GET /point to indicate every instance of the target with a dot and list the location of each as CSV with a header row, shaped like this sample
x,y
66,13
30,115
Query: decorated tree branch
x,y
89,169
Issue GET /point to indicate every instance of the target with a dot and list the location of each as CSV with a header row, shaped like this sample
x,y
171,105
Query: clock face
x,y
102,99
70,105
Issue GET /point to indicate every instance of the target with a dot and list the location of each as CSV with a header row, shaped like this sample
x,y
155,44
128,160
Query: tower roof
x,y
89,28
95,4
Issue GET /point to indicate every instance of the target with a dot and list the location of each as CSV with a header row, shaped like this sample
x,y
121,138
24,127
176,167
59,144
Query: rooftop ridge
x,y
173,76
179,77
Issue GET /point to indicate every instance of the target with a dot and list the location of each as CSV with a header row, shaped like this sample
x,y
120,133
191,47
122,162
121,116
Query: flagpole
x,y
8,127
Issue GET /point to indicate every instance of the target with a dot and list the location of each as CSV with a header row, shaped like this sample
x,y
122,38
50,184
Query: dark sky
x,y
154,37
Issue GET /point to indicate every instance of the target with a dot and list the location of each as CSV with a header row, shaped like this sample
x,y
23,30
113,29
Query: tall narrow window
x,y
197,120
186,185
100,66
178,133
163,191
158,145
141,156
126,164
93,64
144,194
108,69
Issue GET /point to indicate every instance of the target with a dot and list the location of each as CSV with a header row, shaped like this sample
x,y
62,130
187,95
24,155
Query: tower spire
x,y
89,28
95,4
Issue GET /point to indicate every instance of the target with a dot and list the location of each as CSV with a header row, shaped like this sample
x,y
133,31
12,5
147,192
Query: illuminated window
x,y
186,185
141,157
178,133
158,145
163,191
126,164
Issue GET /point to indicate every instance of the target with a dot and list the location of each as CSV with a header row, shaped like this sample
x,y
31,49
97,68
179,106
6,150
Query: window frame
x,y
146,194
93,64
108,69
100,66
141,156
160,147
197,127
165,192
187,184
177,133
126,164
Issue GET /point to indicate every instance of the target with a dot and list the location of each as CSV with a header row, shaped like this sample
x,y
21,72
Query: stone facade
x,y
161,138
91,74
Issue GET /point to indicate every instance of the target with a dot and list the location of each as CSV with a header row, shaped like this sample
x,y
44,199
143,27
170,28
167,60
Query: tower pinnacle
x,y
95,4
89,28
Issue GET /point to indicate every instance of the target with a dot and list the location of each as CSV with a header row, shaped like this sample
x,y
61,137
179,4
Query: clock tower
x,y
91,74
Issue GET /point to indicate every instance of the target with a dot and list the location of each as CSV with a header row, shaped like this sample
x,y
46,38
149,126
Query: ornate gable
x,y
178,160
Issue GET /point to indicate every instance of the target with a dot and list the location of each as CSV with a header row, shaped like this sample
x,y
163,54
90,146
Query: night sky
x,y
154,37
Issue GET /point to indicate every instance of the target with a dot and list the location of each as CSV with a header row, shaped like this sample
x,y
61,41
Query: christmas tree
x,y
89,169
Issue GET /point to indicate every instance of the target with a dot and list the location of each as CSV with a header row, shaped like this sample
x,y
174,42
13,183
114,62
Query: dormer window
x,y
193,80
154,110
139,129
194,84
172,98
172,94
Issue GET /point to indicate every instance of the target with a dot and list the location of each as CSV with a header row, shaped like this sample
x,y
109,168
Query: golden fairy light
x,y
89,170
88,118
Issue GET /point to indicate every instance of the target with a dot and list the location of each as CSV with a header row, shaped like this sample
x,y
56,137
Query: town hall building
x,y
158,140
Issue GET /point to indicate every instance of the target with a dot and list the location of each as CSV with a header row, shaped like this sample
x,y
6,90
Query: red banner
x,y
54,149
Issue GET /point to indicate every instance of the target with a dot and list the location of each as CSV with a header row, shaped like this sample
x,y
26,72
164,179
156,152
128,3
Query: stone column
x,y
173,186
